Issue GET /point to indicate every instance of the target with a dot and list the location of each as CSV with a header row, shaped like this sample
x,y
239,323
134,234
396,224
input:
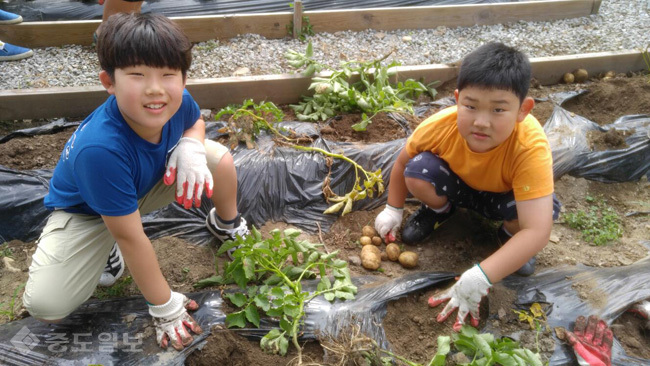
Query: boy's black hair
x,y
496,66
131,39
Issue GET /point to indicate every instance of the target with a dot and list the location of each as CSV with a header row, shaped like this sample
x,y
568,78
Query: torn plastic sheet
x,y
38,10
120,331
85,333
620,287
572,154
50,128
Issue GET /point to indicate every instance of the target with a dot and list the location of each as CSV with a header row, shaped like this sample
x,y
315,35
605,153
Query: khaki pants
x,y
73,249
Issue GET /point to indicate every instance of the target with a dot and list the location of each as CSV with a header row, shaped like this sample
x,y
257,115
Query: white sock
x,y
442,209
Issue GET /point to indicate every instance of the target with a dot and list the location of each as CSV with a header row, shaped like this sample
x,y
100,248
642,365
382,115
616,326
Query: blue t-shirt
x,y
105,167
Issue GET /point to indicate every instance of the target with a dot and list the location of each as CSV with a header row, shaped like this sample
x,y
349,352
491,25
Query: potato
x,y
568,78
370,257
581,75
610,74
376,240
384,256
365,240
392,251
369,231
408,259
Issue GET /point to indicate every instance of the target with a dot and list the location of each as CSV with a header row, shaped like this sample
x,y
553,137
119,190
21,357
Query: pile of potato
x,y
371,255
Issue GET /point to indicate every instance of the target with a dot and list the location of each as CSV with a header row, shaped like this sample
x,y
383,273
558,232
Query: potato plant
x,y
269,272
373,93
247,120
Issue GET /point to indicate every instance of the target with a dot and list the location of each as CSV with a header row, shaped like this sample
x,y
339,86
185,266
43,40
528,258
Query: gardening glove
x,y
591,340
465,295
388,221
642,309
188,165
171,320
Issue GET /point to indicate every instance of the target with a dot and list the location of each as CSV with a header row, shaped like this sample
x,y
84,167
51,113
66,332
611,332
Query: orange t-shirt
x,y
523,163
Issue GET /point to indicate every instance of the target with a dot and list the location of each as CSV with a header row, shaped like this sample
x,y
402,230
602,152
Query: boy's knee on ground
x,y
49,309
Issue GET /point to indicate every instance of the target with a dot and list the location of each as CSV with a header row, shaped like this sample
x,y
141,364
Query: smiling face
x,y
146,96
487,117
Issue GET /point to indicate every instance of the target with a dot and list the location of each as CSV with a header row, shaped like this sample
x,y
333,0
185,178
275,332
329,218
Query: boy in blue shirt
x,y
122,162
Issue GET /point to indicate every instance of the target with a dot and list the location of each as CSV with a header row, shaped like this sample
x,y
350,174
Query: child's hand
x,y
193,173
388,221
465,295
591,340
172,320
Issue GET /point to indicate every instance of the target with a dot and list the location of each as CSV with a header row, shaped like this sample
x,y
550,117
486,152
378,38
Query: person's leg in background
x,y
117,6
9,52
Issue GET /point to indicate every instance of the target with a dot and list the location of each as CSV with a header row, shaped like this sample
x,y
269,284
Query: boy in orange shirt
x,y
486,154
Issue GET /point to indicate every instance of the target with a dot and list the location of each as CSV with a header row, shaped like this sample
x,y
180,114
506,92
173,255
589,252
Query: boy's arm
x,y
388,221
535,223
139,256
197,131
168,308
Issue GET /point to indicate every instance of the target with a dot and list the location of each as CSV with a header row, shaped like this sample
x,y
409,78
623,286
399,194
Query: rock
x,y
460,359
501,313
8,263
355,260
380,35
407,39
242,71
554,238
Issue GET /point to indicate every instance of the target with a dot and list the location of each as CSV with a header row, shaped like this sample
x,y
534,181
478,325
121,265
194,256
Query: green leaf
x,y
240,277
441,354
237,319
482,345
291,310
504,359
252,315
210,281
262,302
286,325
238,299
249,268
310,50
532,358
284,345
329,296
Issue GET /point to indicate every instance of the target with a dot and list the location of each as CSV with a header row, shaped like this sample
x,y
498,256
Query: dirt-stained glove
x,y
465,295
388,222
172,320
642,309
188,165
591,340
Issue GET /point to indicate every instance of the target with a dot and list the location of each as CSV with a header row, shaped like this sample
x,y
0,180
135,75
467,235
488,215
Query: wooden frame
x,y
273,25
77,102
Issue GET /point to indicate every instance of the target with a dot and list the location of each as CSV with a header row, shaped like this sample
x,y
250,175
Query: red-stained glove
x,y
172,321
188,165
642,309
101,2
591,340
465,295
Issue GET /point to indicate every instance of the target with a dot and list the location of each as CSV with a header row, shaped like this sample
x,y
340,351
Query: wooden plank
x,y
286,88
273,25
297,18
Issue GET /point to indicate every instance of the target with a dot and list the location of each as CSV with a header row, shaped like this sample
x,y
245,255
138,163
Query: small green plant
x,y
372,94
119,289
5,251
247,120
599,225
305,30
209,45
486,350
536,318
10,309
270,271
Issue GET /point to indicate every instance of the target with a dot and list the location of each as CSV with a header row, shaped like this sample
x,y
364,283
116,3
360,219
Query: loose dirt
x,y
463,240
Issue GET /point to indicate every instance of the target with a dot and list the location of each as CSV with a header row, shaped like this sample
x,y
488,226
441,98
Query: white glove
x,y
188,161
388,221
171,320
465,295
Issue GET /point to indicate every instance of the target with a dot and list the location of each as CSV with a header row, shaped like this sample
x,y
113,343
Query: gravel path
x,y
619,25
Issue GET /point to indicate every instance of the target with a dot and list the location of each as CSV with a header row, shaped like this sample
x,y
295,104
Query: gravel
x,y
619,25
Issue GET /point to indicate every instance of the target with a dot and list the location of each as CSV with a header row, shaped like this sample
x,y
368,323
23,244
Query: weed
x,y
599,225
305,30
5,251
536,318
209,45
119,289
247,120
10,310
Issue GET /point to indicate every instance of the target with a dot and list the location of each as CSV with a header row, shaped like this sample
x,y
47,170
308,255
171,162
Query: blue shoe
x,y
10,52
9,18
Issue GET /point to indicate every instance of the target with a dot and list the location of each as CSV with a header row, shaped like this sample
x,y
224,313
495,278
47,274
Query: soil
x,y
462,241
